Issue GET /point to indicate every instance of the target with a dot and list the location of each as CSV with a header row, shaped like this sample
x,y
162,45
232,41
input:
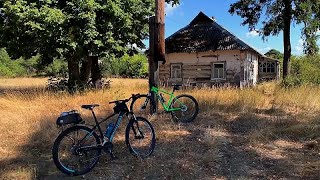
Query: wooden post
x,y
157,47
160,36
153,64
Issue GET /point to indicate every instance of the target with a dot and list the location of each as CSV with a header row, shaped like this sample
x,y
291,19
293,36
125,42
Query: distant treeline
x,y
127,66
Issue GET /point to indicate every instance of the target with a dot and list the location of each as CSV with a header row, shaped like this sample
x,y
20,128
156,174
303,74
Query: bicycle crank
x,y
108,148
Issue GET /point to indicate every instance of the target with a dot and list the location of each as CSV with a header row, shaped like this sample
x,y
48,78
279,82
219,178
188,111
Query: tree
x,y
274,54
280,14
78,30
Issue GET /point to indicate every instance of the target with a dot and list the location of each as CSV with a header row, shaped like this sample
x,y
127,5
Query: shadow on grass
x,y
214,146
277,145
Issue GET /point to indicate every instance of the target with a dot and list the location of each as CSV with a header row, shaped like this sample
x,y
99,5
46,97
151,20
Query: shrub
x,y
127,66
58,67
10,68
291,81
304,70
30,67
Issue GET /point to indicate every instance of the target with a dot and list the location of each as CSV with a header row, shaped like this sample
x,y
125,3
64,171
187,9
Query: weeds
x,y
245,133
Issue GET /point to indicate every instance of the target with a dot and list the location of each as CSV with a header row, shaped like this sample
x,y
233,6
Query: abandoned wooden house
x,y
204,52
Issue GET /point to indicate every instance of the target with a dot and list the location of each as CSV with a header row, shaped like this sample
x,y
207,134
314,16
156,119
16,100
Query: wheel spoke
x,y
141,106
81,155
188,108
140,137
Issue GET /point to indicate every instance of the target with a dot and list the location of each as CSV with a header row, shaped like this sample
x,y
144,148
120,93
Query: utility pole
x,y
157,47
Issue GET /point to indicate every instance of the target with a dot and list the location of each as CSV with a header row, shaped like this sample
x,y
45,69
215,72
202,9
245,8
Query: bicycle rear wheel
x,y
75,151
140,137
188,108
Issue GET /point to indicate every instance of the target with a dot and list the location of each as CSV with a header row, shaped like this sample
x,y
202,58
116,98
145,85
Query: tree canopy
x,y
274,54
78,27
279,15
75,30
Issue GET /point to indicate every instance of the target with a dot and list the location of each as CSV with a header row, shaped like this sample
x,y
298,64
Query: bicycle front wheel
x,y
187,108
142,106
140,137
75,151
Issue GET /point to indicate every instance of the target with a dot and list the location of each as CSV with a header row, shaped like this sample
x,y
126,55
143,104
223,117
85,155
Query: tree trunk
x,y
74,75
286,38
86,69
96,72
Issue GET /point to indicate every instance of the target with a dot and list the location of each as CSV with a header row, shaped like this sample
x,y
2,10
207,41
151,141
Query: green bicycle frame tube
x,y
172,96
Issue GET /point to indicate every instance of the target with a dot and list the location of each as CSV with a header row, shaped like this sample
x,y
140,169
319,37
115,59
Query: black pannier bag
x,y
71,117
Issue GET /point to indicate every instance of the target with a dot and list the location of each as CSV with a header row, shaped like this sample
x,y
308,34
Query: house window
x,y
218,71
267,67
176,71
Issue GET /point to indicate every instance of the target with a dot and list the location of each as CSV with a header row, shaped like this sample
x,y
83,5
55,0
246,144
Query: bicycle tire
x,y
179,116
66,169
137,106
132,134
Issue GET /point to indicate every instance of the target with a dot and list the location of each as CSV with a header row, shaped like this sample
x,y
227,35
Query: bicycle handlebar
x,y
124,100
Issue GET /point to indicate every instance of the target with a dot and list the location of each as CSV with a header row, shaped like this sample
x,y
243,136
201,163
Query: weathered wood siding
x,y
197,67
190,72
251,69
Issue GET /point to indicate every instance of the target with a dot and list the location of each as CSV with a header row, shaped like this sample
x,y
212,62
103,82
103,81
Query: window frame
x,y
267,67
171,70
213,71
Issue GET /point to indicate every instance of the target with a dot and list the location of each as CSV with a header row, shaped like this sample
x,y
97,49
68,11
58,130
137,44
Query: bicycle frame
x,y
165,106
118,122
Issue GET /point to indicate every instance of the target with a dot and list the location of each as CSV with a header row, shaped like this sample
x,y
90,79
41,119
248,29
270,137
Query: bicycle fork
x,y
135,122
152,102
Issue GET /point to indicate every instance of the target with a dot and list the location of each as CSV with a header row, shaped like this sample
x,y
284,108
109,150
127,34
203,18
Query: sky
x,y
181,15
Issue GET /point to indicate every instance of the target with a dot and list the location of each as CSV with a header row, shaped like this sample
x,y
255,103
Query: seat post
x,y
174,89
97,123
94,115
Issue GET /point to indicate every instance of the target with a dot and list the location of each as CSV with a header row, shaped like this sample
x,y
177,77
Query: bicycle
x,y
183,108
84,144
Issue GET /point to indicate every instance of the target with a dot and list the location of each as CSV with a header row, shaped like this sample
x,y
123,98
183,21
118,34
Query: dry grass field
x,y
266,132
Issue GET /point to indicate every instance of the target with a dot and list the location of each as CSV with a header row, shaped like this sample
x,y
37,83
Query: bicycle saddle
x,y
90,106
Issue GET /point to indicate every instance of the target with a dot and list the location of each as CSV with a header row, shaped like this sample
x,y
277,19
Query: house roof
x,y
204,34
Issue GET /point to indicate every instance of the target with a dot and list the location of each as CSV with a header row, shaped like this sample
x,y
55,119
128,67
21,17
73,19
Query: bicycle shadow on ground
x,y
219,145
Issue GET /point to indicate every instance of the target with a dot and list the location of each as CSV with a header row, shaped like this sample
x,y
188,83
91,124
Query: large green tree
x,y
279,15
76,30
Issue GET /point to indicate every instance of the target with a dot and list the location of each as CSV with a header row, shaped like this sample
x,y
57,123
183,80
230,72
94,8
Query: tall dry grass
x,y
23,112
26,116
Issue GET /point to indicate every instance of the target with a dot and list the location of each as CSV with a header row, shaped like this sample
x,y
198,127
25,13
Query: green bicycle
x,y
183,108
